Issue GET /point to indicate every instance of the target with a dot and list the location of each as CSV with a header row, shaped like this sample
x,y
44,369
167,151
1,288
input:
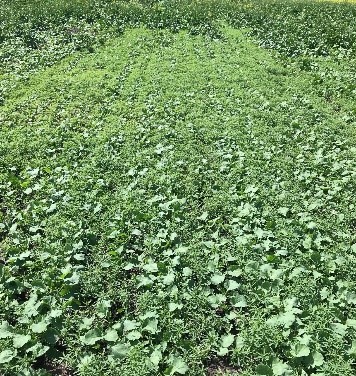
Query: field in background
x,y
339,1
177,188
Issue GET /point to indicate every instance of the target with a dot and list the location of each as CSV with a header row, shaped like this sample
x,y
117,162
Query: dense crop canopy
x,y
174,198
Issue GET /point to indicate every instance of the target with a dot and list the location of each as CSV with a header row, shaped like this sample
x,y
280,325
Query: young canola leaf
x,y
232,285
6,356
19,340
136,232
133,335
152,326
283,211
299,351
102,308
222,351
204,216
227,340
151,267
91,337
216,279
352,350
5,330
318,359
339,329
178,365
169,278
119,351
74,279
130,325
86,323
174,306
156,357
279,368
39,327
38,350
111,335
239,301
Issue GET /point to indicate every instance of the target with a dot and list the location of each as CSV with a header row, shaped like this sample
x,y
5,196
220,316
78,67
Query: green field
x,y
177,188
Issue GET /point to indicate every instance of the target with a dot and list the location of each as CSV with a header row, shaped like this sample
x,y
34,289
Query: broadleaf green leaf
x,y
39,327
339,329
216,279
232,285
227,340
130,325
111,335
5,330
19,340
299,351
151,326
133,335
102,308
279,368
119,351
91,337
6,356
156,357
178,365
318,359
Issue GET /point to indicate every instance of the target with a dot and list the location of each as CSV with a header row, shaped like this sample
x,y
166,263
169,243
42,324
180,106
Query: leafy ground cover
x,y
175,199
